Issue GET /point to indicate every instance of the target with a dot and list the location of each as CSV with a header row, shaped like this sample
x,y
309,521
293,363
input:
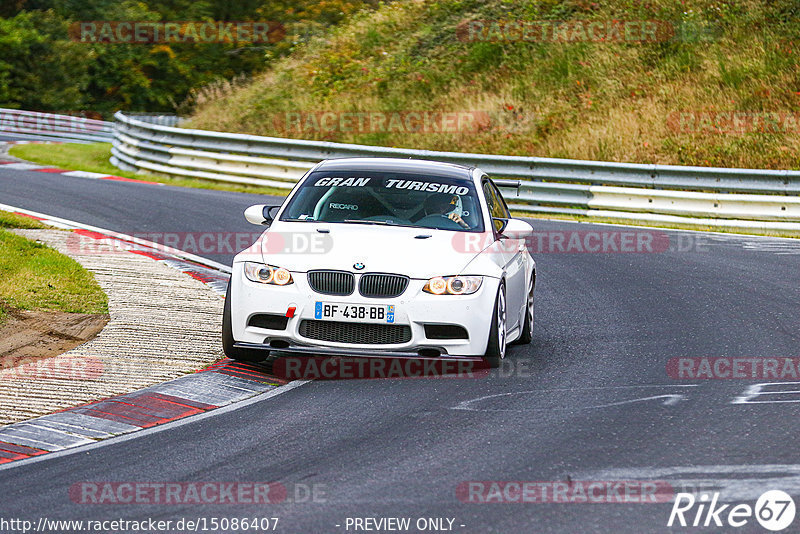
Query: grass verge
x,y
13,220
36,277
94,158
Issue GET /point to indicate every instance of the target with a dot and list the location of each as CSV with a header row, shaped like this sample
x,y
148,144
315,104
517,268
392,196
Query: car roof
x,y
420,166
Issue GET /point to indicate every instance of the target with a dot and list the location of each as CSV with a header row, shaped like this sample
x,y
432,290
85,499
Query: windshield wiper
x,y
360,221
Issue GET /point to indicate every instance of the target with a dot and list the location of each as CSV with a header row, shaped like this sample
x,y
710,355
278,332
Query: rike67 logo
x,y
774,510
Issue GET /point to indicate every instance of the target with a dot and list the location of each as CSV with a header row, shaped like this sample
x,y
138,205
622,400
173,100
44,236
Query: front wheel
x,y
242,355
496,347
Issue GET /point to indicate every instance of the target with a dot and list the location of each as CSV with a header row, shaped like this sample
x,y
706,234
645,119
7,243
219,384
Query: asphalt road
x,y
589,400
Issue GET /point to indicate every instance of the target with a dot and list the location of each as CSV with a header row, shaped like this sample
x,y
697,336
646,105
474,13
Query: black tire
x,y
527,327
230,351
496,347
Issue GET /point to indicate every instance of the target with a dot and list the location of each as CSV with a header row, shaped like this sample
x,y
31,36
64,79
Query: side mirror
x,y
260,214
516,229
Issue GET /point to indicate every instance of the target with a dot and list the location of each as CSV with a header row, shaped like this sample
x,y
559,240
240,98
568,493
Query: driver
x,y
444,205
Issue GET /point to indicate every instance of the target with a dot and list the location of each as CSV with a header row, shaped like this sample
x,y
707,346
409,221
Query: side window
x,y
496,204
501,202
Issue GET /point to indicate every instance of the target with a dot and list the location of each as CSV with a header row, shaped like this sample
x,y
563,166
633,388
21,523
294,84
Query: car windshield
x,y
387,198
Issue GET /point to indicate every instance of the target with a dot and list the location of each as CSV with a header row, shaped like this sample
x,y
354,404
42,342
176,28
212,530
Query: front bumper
x,y
359,353
413,308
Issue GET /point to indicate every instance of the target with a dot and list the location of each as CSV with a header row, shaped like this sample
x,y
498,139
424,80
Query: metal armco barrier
x,y
730,198
31,125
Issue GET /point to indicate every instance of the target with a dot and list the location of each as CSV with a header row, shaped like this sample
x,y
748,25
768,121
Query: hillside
x,y
695,83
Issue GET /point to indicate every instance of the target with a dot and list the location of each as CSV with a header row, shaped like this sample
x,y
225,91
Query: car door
x,y
509,251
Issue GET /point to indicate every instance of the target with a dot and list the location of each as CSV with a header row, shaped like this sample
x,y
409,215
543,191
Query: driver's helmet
x,y
441,203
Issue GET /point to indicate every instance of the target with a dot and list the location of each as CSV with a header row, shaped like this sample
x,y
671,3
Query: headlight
x,y
267,274
453,285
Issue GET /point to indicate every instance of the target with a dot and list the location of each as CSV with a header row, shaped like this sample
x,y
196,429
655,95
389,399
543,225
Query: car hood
x,y
301,247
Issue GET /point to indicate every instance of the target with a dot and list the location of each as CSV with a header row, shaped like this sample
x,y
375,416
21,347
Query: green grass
x,y
36,277
94,158
13,220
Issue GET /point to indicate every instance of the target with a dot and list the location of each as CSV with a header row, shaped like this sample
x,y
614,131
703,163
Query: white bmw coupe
x,y
383,257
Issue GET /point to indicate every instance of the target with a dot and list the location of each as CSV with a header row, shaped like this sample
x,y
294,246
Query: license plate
x,y
359,313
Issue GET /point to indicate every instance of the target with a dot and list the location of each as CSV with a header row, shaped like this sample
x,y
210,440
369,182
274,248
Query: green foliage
x,y
39,68
42,69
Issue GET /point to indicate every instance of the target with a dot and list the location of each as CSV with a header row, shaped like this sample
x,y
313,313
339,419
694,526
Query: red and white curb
x,y
222,384
24,166
214,277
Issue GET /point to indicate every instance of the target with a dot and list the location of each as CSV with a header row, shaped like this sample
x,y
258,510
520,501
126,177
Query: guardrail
x,y
732,198
35,126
